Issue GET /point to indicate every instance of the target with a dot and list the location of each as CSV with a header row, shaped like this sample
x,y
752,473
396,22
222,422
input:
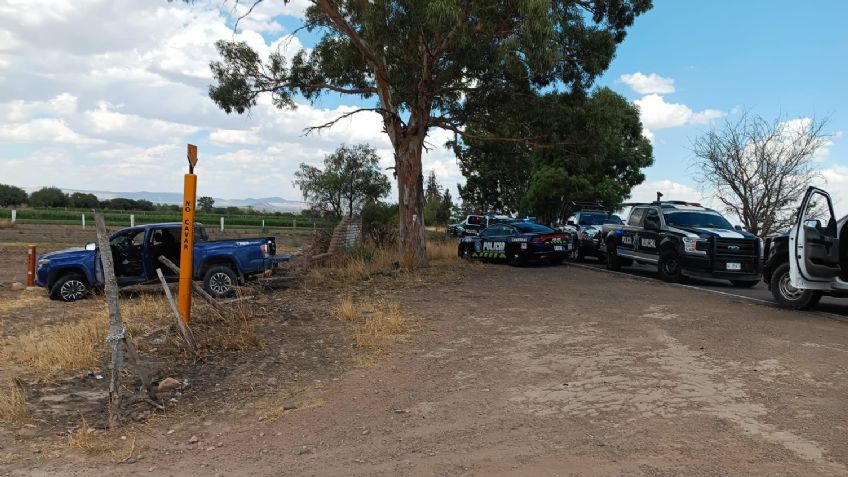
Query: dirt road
x,y
551,371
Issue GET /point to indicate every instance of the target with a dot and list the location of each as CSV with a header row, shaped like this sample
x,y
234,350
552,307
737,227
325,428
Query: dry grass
x,y
364,262
281,412
377,324
346,310
83,438
54,350
6,223
442,251
90,441
78,343
13,402
234,330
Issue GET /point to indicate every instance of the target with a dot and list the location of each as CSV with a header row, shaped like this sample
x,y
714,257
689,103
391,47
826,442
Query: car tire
x,y
744,283
220,281
556,260
515,259
669,267
70,287
788,296
613,262
580,256
464,253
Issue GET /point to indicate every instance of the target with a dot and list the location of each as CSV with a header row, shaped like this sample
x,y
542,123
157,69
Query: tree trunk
x,y
411,203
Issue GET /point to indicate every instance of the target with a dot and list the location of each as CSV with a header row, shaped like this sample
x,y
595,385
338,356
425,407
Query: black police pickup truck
x,y
684,240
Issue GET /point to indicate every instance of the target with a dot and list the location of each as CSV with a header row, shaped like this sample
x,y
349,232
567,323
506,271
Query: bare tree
x,y
759,169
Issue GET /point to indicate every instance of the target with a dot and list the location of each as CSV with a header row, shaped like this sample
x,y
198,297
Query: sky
x,y
105,94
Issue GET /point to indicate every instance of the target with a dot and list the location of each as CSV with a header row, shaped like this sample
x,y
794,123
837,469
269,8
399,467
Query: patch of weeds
x,y
13,406
233,329
377,324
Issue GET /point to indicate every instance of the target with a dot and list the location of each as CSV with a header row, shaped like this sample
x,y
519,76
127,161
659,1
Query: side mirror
x,y
738,227
813,224
91,246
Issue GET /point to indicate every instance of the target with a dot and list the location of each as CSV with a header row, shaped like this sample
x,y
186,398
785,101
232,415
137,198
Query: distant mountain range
x,y
268,204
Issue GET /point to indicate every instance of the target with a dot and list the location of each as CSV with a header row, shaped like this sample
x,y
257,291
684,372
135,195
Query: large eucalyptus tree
x,y
421,61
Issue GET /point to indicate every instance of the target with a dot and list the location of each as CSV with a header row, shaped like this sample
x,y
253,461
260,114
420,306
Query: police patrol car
x,y
517,243
684,240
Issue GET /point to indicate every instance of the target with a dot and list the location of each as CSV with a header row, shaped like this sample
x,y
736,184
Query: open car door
x,y
814,242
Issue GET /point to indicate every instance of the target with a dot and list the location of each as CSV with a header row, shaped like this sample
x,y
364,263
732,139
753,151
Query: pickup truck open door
x,y
814,243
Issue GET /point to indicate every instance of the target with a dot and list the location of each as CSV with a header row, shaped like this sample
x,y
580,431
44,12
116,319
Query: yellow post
x,y
187,240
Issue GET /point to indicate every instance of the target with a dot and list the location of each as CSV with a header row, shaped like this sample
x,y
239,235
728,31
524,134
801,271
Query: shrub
x,y
380,223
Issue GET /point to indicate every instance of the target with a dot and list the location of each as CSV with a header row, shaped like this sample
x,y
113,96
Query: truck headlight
x,y
43,261
695,246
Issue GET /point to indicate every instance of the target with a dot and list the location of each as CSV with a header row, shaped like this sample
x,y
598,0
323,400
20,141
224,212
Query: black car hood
x,y
708,232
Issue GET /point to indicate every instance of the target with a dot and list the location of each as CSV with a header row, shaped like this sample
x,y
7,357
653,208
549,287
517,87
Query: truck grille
x,y
736,247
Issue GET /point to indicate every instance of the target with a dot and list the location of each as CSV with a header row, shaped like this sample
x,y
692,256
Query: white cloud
x,y
648,84
62,104
43,130
233,136
656,113
836,183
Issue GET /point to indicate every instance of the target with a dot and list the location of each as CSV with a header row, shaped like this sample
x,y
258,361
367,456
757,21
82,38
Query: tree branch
x,y
329,124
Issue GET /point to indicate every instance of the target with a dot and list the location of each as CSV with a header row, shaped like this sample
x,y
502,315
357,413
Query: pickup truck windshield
x,y
527,228
592,219
710,220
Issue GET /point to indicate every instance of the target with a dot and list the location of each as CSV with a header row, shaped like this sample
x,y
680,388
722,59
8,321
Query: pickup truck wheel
x,y
744,283
579,255
70,287
669,267
613,262
220,281
788,296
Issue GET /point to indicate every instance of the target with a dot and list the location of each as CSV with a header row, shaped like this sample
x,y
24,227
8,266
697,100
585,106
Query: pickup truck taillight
x,y
265,249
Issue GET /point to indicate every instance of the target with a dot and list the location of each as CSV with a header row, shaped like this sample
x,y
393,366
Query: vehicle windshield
x,y
613,219
591,219
688,218
528,228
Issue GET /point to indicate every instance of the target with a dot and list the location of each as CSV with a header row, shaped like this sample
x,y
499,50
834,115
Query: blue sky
x,y
772,58
111,106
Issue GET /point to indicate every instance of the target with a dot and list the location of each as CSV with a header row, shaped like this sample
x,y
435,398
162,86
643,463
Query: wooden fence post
x,y
116,326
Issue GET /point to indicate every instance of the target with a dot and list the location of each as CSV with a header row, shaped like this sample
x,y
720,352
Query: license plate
x,y
734,266
558,248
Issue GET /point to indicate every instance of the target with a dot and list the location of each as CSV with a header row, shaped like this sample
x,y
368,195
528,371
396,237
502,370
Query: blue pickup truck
x,y
71,274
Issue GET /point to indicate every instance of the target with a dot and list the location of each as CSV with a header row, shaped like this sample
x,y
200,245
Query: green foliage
x,y
351,177
48,197
205,204
430,64
12,196
593,151
82,200
437,206
379,223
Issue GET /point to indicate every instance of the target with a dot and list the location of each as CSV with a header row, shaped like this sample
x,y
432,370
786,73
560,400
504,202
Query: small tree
x,y
82,200
205,204
350,178
758,169
12,196
48,197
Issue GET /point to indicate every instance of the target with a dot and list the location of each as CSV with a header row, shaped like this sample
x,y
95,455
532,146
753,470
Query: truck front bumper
x,y
750,268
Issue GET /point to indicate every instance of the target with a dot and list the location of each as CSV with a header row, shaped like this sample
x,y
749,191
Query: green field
x,y
122,218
